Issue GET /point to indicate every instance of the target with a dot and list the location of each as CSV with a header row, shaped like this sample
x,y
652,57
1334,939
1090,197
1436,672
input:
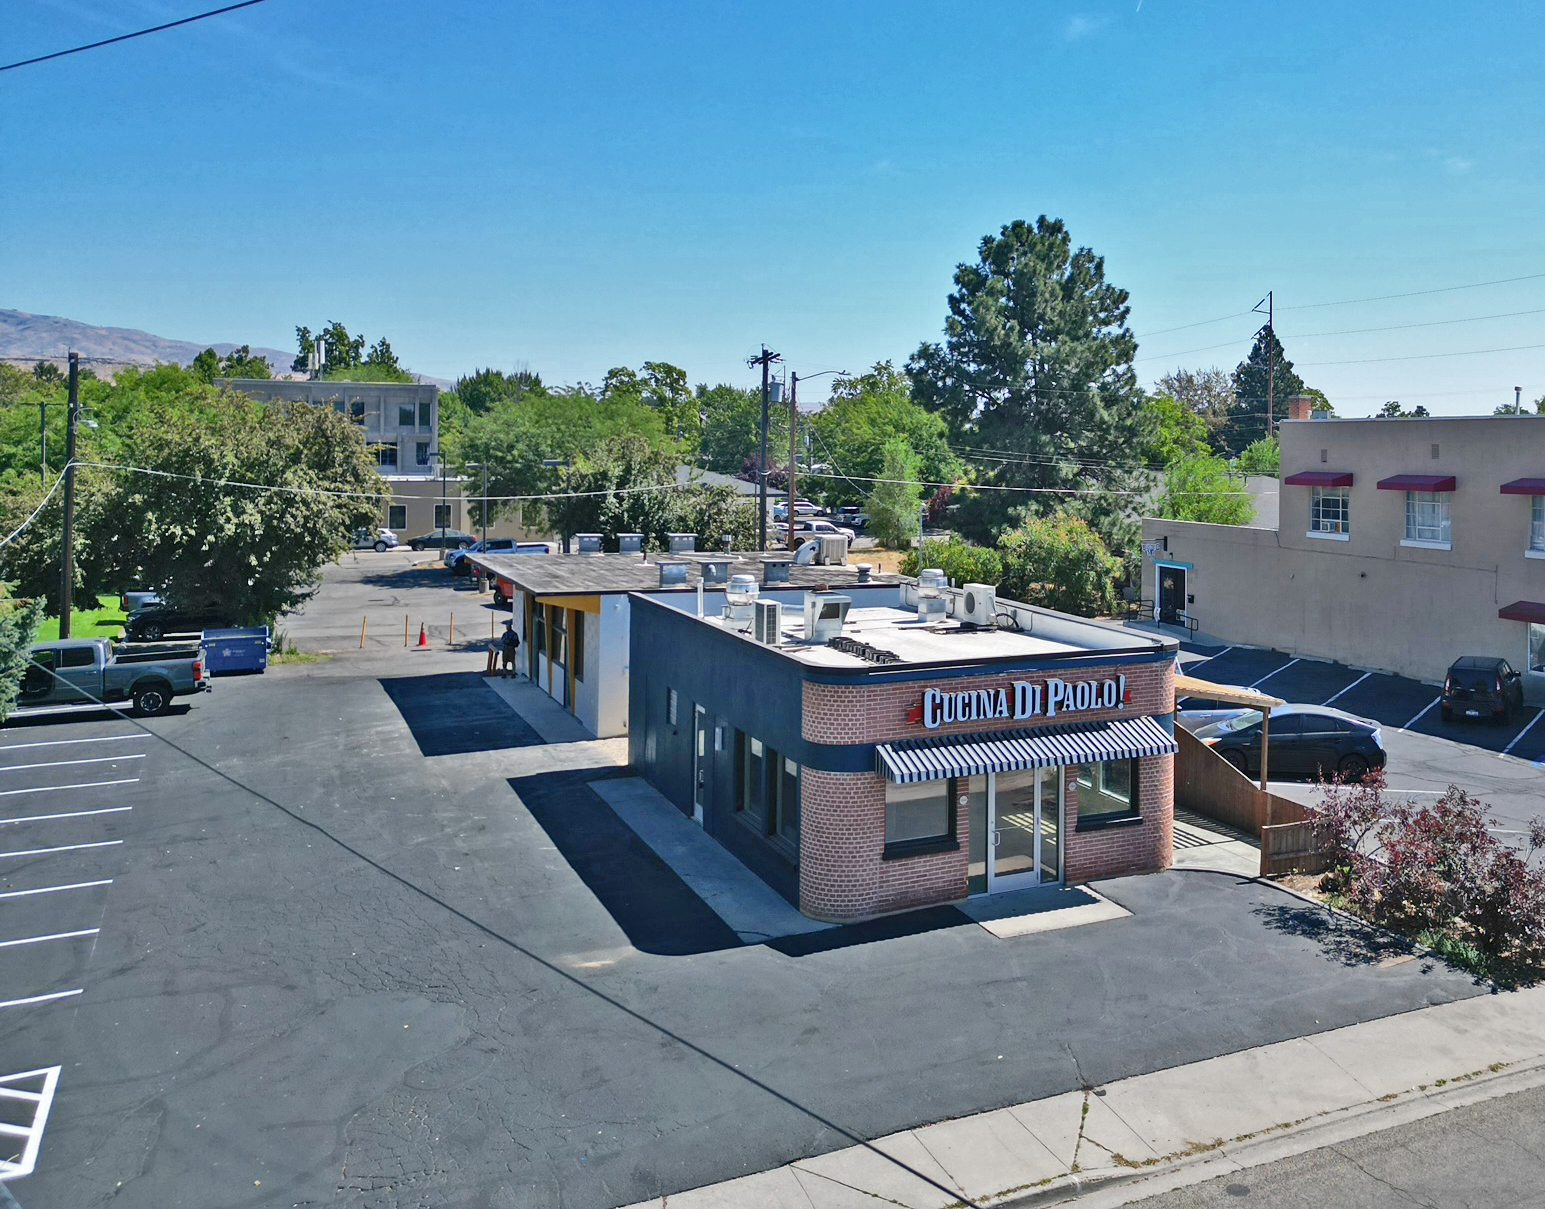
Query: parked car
x,y
155,622
84,671
1482,686
1194,719
379,540
801,508
852,516
457,561
442,539
815,527
130,601
1308,742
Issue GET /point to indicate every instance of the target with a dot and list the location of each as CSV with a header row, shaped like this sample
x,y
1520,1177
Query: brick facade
x,y
842,871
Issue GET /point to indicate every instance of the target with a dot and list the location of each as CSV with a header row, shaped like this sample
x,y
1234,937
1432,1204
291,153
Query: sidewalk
x,y
1212,1117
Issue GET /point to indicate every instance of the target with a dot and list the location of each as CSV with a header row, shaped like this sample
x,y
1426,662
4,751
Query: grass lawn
x,y
104,621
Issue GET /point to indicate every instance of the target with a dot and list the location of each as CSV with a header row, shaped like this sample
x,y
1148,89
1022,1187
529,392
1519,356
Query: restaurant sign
x,y
1020,700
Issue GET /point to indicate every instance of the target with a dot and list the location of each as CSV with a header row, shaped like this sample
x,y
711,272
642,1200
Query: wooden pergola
x,y
1190,686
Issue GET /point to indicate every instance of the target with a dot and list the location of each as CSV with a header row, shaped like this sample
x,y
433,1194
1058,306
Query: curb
x,y
1338,1125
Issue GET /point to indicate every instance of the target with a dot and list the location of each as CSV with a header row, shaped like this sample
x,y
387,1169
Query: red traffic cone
x,y
423,635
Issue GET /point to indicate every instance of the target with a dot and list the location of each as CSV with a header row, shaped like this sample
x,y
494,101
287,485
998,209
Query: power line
x,y
1163,331
1468,352
139,33
1358,331
15,533
1474,285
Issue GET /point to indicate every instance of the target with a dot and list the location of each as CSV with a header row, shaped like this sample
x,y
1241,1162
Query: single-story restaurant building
x,y
866,754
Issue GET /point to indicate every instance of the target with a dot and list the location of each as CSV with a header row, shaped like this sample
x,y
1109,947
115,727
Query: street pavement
x,y
351,956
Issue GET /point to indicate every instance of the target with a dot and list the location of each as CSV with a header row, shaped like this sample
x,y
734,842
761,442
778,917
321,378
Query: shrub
x,y
961,562
1059,562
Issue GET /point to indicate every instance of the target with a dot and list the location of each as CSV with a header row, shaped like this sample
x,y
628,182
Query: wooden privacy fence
x,y
1209,785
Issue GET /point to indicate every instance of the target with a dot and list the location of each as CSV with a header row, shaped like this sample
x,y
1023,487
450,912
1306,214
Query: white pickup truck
x,y
85,671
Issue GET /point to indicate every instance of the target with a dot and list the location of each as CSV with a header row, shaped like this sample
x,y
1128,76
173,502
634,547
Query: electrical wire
x,y
15,533
1474,285
139,33
1358,331
1468,352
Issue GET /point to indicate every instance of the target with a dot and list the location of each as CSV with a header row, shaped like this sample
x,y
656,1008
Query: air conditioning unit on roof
x,y
768,623
978,606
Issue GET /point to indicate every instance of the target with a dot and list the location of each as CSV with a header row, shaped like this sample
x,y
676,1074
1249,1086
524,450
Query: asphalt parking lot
x,y
1503,765
347,959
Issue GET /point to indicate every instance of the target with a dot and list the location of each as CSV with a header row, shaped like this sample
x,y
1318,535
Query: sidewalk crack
x,y
1405,1192
798,1172
1339,1067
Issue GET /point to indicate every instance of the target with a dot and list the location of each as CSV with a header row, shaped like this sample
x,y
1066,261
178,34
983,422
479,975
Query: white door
x,y
1024,828
699,763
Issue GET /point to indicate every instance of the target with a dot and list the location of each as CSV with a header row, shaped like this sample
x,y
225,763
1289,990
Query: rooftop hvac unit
x,y
824,614
833,550
768,628
672,574
630,543
978,606
589,543
682,543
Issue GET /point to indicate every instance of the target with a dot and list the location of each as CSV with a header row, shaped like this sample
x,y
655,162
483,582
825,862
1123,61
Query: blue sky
x,y
574,185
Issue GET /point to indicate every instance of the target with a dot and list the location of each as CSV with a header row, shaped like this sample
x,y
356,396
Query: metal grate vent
x,y
869,654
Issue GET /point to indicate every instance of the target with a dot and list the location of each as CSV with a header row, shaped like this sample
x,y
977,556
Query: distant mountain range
x,y
27,339
31,338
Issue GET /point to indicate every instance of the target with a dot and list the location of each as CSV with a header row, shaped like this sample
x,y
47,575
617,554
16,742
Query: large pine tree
x,y
1255,378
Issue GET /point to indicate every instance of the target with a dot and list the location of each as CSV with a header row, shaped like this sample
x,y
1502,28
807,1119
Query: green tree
x,y
864,413
1509,409
238,363
15,384
1036,371
485,387
1207,392
18,630
663,387
1199,487
961,562
1059,562
893,499
731,435
341,351
47,373
1263,456
1178,430
1266,371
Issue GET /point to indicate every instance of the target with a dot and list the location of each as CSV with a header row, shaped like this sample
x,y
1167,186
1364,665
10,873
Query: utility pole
x,y
1271,358
793,454
766,361
67,572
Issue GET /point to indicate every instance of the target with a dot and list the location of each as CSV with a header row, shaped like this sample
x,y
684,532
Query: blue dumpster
x,y
239,649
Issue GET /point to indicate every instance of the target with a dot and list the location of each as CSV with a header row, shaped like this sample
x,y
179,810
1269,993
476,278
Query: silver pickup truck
x,y
84,671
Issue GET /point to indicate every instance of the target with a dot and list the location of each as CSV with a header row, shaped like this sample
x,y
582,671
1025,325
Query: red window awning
x,y
1417,482
1524,487
1523,610
1319,478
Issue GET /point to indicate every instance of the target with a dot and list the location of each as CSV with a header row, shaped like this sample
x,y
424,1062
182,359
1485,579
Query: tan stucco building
x,y
1400,545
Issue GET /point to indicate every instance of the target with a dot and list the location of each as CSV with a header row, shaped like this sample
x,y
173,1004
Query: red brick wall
x,y
842,873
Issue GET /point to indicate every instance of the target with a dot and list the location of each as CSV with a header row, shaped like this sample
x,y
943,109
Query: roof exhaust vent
x,y
776,570
931,604
589,543
673,572
717,571
727,541
682,543
630,543
864,572
739,598
824,614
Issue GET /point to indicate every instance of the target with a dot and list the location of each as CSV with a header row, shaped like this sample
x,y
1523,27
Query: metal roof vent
x,y
776,570
717,571
931,604
589,543
682,543
673,572
630,543
739,597
865,570
824,614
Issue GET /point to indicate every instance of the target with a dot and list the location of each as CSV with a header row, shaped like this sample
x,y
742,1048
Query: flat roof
x,y
604,574
900,632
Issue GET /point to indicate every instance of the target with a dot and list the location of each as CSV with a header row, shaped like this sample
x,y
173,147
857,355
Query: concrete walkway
x,y
1137,1136
1202,843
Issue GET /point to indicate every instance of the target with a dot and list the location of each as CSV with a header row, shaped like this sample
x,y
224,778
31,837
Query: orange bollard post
x,y
451,641
405,629
362,622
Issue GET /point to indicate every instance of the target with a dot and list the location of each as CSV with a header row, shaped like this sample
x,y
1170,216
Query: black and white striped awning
x,y
934,759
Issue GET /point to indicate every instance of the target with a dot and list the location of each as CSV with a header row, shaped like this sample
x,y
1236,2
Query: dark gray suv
x,y
1482,686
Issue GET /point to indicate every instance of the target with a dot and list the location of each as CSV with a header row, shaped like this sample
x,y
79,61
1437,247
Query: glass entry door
x,y
1022,837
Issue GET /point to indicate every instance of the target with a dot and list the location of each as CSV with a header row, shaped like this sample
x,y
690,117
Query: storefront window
x,y
919,813
396,516
1536,647
577,644
1427,517
751,793
787,821
1107,790
1329,510
1537,522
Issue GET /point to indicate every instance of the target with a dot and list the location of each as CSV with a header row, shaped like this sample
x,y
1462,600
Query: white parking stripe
x,y
1209,659
5,1003
61,848
106,881
1348,688
1523,732
1274,671
67,742
69,814
37,940
6,793
139,755
1418,717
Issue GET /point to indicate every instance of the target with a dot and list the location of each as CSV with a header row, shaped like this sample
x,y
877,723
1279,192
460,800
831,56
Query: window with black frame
x,y
919,817
1107,791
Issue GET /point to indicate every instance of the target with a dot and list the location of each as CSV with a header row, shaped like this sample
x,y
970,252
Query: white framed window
x,y
1536,662
1330,511
1427,518
1537,524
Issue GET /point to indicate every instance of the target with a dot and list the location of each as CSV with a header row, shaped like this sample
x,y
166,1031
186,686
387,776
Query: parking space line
x,y
138,755
1523,732
61,848
1418,717
104,881
1348,688
1274,671
69,814
37,940
1210,658
25,1161
5,1003
67,742
5,793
